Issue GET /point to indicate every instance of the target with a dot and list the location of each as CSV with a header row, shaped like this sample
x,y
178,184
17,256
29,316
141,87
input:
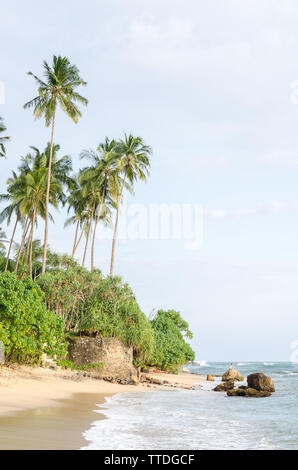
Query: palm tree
x,y
2,238
78,203
27,195
133,164
91,194
59,88
101,171
15,187
3,140
7,214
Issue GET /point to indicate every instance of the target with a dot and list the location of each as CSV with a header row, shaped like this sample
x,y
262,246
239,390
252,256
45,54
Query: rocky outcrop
x,y
248,392
232,375
224,387
260,382
210,378
115,356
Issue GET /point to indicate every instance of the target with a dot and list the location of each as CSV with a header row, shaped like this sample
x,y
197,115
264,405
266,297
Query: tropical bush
x,y
91,305
170,348
112,310
27,328
67,289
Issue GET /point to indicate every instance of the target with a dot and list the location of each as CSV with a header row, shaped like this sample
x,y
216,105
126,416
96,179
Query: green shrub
x,y
27,328
67,364
170,348
91,305
68,290
112,310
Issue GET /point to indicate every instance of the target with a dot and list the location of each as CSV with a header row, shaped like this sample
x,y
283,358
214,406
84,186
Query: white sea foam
x,y
203,363
200,419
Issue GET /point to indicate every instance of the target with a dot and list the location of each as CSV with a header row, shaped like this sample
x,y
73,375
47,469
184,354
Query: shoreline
x,y
54,427
47,409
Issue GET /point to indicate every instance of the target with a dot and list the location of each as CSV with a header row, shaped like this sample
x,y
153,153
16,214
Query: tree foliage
x,y
112,310
67,288
27,328
3,139
171,350
90,304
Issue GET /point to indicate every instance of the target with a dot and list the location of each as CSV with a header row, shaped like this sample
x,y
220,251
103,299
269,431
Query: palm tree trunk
x,y
75,240
80,238
31,242
44,258
115,229
10,244
114,242
22,243
88,234
93,239
28,243
94,232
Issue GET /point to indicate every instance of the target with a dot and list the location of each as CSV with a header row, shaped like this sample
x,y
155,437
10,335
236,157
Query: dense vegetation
x,y
27,328
90,304
170,350
46,296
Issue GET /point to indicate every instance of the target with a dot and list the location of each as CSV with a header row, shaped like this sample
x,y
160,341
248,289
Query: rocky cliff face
x,y
116,356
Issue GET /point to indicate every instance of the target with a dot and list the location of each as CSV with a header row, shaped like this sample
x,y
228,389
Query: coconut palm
x,y
59,88
33,161
77,203
7,214
133,164
2,238
27,194
3,139
103,167
91,194
15,187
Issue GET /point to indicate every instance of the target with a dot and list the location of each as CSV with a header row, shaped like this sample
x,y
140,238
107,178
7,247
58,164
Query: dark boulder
x,y
248,392
260,382
224,387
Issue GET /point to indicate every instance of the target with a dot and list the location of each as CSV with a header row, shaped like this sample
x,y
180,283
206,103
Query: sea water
x,y
203,419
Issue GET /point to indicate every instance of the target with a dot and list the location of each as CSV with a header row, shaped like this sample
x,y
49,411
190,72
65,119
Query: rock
x,y
232,374
261,382
210,378
157,381
116,357
238,392
224,387
248,392
134,379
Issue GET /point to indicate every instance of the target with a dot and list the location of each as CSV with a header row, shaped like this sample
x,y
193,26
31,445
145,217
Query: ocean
x,y
202,419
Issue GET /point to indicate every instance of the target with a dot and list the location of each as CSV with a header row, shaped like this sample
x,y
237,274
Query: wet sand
x,y
53,427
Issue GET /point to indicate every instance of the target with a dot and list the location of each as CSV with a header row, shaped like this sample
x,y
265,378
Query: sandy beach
x,y
46,409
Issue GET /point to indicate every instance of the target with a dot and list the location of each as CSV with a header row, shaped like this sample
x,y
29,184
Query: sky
x,y
211,87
